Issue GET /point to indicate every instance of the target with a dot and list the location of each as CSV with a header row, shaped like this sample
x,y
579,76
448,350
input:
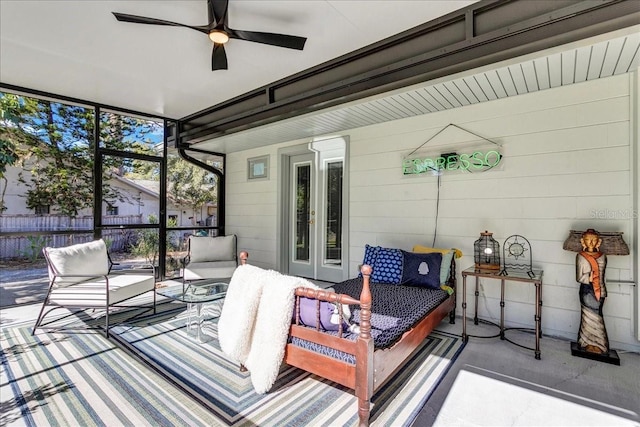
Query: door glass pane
x,y
303,190
333,226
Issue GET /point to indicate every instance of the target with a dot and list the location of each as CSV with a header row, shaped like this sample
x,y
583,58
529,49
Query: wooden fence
x,y
27,245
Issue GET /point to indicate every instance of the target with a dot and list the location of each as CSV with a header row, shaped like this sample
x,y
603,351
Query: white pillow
x,y
84,258
207,249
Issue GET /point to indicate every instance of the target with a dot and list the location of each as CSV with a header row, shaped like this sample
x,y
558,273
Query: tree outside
x,y
189,185
51,146
48,149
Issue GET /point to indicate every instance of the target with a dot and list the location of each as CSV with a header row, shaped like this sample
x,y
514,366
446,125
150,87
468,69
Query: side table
x,y
195,295
514,276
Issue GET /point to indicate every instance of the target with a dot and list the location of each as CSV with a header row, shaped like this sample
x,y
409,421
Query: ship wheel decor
x,y
516,255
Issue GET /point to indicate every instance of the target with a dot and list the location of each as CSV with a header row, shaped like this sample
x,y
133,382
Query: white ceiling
x,y
78,49
594,58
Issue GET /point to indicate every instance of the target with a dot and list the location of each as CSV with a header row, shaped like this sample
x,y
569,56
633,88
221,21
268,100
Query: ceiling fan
x,y
219,32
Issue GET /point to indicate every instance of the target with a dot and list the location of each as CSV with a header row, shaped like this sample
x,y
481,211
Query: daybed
x,y
364,361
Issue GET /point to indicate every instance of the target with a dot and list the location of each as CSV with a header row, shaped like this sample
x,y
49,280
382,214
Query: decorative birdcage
x,y
486,252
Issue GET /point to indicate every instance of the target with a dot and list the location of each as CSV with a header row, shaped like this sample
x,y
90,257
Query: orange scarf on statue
x,y
595,277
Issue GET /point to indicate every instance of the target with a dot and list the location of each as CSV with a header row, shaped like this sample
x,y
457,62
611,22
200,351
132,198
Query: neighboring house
x,y
139,200
139,197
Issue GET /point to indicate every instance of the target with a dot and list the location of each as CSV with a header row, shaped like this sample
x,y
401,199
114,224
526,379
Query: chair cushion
x,y
127,285
92,293
83,258
209,270
206,249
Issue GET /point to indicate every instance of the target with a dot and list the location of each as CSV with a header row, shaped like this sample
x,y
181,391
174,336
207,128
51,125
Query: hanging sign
x,y
477,161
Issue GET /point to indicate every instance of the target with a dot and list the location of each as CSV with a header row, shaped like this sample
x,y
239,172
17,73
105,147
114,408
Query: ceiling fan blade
x,y
123,17
281,40
217,12
218,16
218,58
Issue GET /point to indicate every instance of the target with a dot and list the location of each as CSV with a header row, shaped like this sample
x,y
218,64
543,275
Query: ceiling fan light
x,y
219,37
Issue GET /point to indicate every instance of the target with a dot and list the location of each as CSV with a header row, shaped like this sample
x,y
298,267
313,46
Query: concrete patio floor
x,y
22,286
495,383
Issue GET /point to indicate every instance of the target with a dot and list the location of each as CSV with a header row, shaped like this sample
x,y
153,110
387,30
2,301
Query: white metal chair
x,y
210,258
80,278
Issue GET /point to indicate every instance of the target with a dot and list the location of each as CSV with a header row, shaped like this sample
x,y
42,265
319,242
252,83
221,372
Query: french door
x,y
302,216
316,217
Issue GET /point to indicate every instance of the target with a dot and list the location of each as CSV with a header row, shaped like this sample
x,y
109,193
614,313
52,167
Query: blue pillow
x,y
422,269
388,266
370,255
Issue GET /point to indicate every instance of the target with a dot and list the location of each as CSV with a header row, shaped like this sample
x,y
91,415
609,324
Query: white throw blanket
x,y
255,319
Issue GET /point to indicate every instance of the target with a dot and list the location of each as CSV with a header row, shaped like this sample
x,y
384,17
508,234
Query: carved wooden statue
x,y
590,271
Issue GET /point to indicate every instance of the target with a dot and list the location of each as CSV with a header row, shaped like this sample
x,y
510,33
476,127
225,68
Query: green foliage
x,y
147,243
108,241
173,243
8,155
54,145
189,185
173,236
173,264
8,143
34,248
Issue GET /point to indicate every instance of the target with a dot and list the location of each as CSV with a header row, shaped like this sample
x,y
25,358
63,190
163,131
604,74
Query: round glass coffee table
x,y
196,295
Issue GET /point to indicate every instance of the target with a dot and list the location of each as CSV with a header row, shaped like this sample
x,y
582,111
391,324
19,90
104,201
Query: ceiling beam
x,y
483,33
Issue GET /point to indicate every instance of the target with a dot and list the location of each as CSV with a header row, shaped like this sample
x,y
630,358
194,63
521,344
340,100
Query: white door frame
x,y
325,149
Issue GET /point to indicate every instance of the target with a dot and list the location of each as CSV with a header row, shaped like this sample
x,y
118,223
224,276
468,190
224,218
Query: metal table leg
x,y
502,309
538,318
475,315
464,309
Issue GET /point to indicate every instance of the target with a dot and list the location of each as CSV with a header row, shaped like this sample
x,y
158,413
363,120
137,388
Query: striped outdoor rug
x,y
81,378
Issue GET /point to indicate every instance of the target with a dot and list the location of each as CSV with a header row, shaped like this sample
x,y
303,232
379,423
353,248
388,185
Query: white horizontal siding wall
x,y
567,165
251,206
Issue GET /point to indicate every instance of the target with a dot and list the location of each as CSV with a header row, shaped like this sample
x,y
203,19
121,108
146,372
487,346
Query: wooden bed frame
x,y
373,368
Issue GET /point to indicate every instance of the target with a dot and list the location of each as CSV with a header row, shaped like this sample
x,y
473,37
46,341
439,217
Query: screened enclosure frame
x,y
170,128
